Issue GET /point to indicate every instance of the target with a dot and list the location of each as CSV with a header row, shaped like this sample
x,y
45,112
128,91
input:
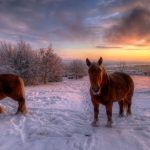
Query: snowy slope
x,y
60,115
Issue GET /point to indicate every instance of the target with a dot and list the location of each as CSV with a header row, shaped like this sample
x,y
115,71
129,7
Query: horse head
x,y
95,71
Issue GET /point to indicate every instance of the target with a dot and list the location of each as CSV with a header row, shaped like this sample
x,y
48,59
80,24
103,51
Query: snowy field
x,y
60,115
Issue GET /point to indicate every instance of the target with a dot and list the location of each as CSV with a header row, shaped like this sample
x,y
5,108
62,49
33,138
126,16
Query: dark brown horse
x,y
106,89
13,86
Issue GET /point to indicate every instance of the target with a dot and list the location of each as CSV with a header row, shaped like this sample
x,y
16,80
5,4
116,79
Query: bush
x,y
35,67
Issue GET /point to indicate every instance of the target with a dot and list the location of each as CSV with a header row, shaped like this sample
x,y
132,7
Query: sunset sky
x,y
117,30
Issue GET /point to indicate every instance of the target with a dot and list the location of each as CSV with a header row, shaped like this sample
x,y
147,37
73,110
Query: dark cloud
x,y
108,47
121,6
133,28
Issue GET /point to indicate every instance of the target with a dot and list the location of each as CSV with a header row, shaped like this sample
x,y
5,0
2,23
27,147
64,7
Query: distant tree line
x,y
75,69
34,66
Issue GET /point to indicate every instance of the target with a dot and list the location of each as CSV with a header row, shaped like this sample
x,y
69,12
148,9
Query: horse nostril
x,y
96,89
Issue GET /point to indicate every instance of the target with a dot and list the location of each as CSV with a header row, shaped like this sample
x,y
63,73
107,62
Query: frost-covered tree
x,y
51,65
23,58
24,62
57,69
6,57
34,66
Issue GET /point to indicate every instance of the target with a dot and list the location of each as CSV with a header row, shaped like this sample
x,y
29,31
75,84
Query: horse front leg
x,y
96,113
21,106
1,110
121,108
109,114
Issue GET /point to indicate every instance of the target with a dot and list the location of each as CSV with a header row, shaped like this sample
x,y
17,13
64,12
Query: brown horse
x,y
106,89
13,86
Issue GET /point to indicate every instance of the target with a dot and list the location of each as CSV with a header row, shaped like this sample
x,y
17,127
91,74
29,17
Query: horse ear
x,y
100,61
88,62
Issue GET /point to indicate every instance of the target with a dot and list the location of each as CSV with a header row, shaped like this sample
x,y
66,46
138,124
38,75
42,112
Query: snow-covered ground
x,y
60,115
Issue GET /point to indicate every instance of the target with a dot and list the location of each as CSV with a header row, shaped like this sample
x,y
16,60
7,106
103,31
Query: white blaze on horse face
x,y
101,68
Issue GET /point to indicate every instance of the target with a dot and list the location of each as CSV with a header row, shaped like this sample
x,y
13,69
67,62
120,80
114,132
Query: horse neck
x,y
105,78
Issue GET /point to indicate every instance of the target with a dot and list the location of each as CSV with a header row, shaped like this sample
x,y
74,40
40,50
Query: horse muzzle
x,y
96,91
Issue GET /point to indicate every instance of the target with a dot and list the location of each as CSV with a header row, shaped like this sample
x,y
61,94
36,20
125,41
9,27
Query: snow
x,y
59,118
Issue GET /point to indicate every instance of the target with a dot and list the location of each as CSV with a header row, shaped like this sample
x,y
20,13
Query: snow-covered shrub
x,y
34,66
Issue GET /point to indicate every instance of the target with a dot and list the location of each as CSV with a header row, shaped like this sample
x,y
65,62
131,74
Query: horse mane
x,y
105,77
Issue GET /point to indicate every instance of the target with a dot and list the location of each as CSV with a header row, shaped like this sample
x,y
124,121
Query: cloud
x,y
79,21
108,47
133,28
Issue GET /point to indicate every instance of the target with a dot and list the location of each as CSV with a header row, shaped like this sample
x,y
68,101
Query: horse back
x,y
11,85
121,84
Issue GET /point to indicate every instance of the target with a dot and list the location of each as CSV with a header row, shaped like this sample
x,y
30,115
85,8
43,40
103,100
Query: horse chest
x,y
2,95
101,99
